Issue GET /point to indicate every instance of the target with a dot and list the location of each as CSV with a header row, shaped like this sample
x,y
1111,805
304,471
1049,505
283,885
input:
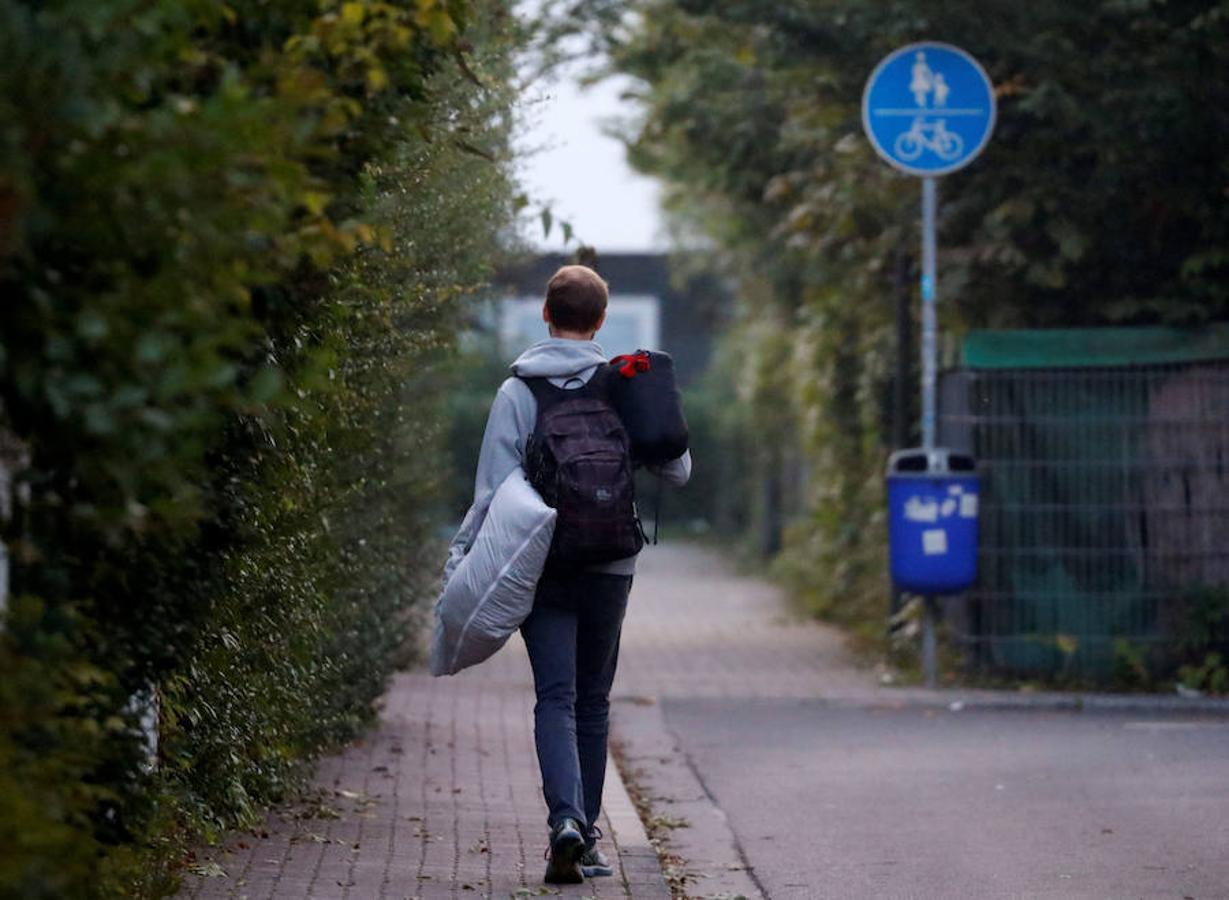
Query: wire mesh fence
x,y
1105,511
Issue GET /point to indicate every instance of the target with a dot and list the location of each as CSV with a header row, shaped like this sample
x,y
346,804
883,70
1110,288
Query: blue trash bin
x,y
932,520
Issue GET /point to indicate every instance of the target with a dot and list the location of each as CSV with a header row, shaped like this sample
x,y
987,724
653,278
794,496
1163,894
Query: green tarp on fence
x,y
1094,347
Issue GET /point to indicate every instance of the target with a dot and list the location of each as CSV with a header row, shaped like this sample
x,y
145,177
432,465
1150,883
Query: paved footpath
x,y
441,800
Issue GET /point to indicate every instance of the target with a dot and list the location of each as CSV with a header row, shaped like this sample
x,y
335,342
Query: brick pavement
x,y
441,800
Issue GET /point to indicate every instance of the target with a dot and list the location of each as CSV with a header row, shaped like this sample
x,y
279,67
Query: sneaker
x,y
594,863
567,845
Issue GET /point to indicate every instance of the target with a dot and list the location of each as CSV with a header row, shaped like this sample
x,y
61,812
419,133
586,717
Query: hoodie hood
x,y
558,357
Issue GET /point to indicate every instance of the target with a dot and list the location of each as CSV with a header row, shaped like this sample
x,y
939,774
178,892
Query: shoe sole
x,y
596,871
564,865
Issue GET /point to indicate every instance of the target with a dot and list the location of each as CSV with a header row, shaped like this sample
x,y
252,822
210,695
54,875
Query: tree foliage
x,y
233,241
1102,197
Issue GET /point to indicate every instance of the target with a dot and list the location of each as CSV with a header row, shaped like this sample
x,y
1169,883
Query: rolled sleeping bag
x,y
491,590
646,396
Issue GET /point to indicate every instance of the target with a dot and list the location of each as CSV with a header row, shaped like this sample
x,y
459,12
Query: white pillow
x,y
491,591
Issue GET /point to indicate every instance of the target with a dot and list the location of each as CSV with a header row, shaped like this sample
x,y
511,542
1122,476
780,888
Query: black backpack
x,y
579,459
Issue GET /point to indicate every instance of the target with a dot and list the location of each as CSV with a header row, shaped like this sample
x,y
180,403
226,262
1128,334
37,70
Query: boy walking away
x,y
554,418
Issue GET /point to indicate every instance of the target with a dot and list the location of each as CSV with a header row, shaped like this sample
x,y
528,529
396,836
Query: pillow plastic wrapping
x,y
491,591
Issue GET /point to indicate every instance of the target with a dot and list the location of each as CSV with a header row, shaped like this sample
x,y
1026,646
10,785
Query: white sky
x,y
582,174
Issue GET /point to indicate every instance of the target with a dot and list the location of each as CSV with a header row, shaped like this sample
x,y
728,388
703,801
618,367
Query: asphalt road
x,y
830,800
800,777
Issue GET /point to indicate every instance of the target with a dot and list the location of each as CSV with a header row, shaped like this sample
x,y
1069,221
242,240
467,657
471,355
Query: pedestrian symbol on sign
x,y
923,79
926,81
941,90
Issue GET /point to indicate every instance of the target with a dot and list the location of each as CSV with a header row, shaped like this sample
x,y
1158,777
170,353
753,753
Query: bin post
x,y
930,654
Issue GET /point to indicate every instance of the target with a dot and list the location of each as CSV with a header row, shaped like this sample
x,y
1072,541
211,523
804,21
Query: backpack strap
x,y
543,391
547,394
599,384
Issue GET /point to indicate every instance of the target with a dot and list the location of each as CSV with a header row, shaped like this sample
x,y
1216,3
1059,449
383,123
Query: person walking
x,y
572,633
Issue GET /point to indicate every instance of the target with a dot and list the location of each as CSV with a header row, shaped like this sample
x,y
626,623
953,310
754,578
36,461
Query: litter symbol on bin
x,y
934,542
921,509
929,509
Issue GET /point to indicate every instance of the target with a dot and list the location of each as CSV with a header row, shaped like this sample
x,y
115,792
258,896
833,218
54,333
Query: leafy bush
x,y
1200,639
1211,675
234,240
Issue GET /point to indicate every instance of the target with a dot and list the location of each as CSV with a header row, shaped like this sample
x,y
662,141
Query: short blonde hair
x,y
576,298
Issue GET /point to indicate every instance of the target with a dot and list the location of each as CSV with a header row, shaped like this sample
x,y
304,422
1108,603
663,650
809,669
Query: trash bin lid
x,y
930,461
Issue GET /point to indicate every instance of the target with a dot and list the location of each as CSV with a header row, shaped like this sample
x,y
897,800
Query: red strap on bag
x,y
628,364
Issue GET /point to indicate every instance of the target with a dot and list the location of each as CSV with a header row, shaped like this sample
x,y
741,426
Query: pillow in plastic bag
x,y
491,591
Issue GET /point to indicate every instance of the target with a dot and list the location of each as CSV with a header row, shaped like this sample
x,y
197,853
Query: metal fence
x,y
1105,509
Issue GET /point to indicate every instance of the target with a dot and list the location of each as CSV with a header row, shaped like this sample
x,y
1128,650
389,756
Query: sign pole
x,y
929,327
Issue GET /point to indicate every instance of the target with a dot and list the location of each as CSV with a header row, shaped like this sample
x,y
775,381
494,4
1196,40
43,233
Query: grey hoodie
x,y
567,364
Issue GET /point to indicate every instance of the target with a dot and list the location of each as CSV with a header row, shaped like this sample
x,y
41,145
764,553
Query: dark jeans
x,y
573,640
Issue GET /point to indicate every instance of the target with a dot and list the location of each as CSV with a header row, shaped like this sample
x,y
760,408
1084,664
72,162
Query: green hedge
x,y
234,239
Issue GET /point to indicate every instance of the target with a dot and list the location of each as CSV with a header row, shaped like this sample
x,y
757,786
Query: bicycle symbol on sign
x,y
946,144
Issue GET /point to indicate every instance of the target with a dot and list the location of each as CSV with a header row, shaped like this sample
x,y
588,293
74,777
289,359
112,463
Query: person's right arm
x,y
502,451
676,472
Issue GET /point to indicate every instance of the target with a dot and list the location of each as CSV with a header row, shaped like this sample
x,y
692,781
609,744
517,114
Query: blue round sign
x,y
928,108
